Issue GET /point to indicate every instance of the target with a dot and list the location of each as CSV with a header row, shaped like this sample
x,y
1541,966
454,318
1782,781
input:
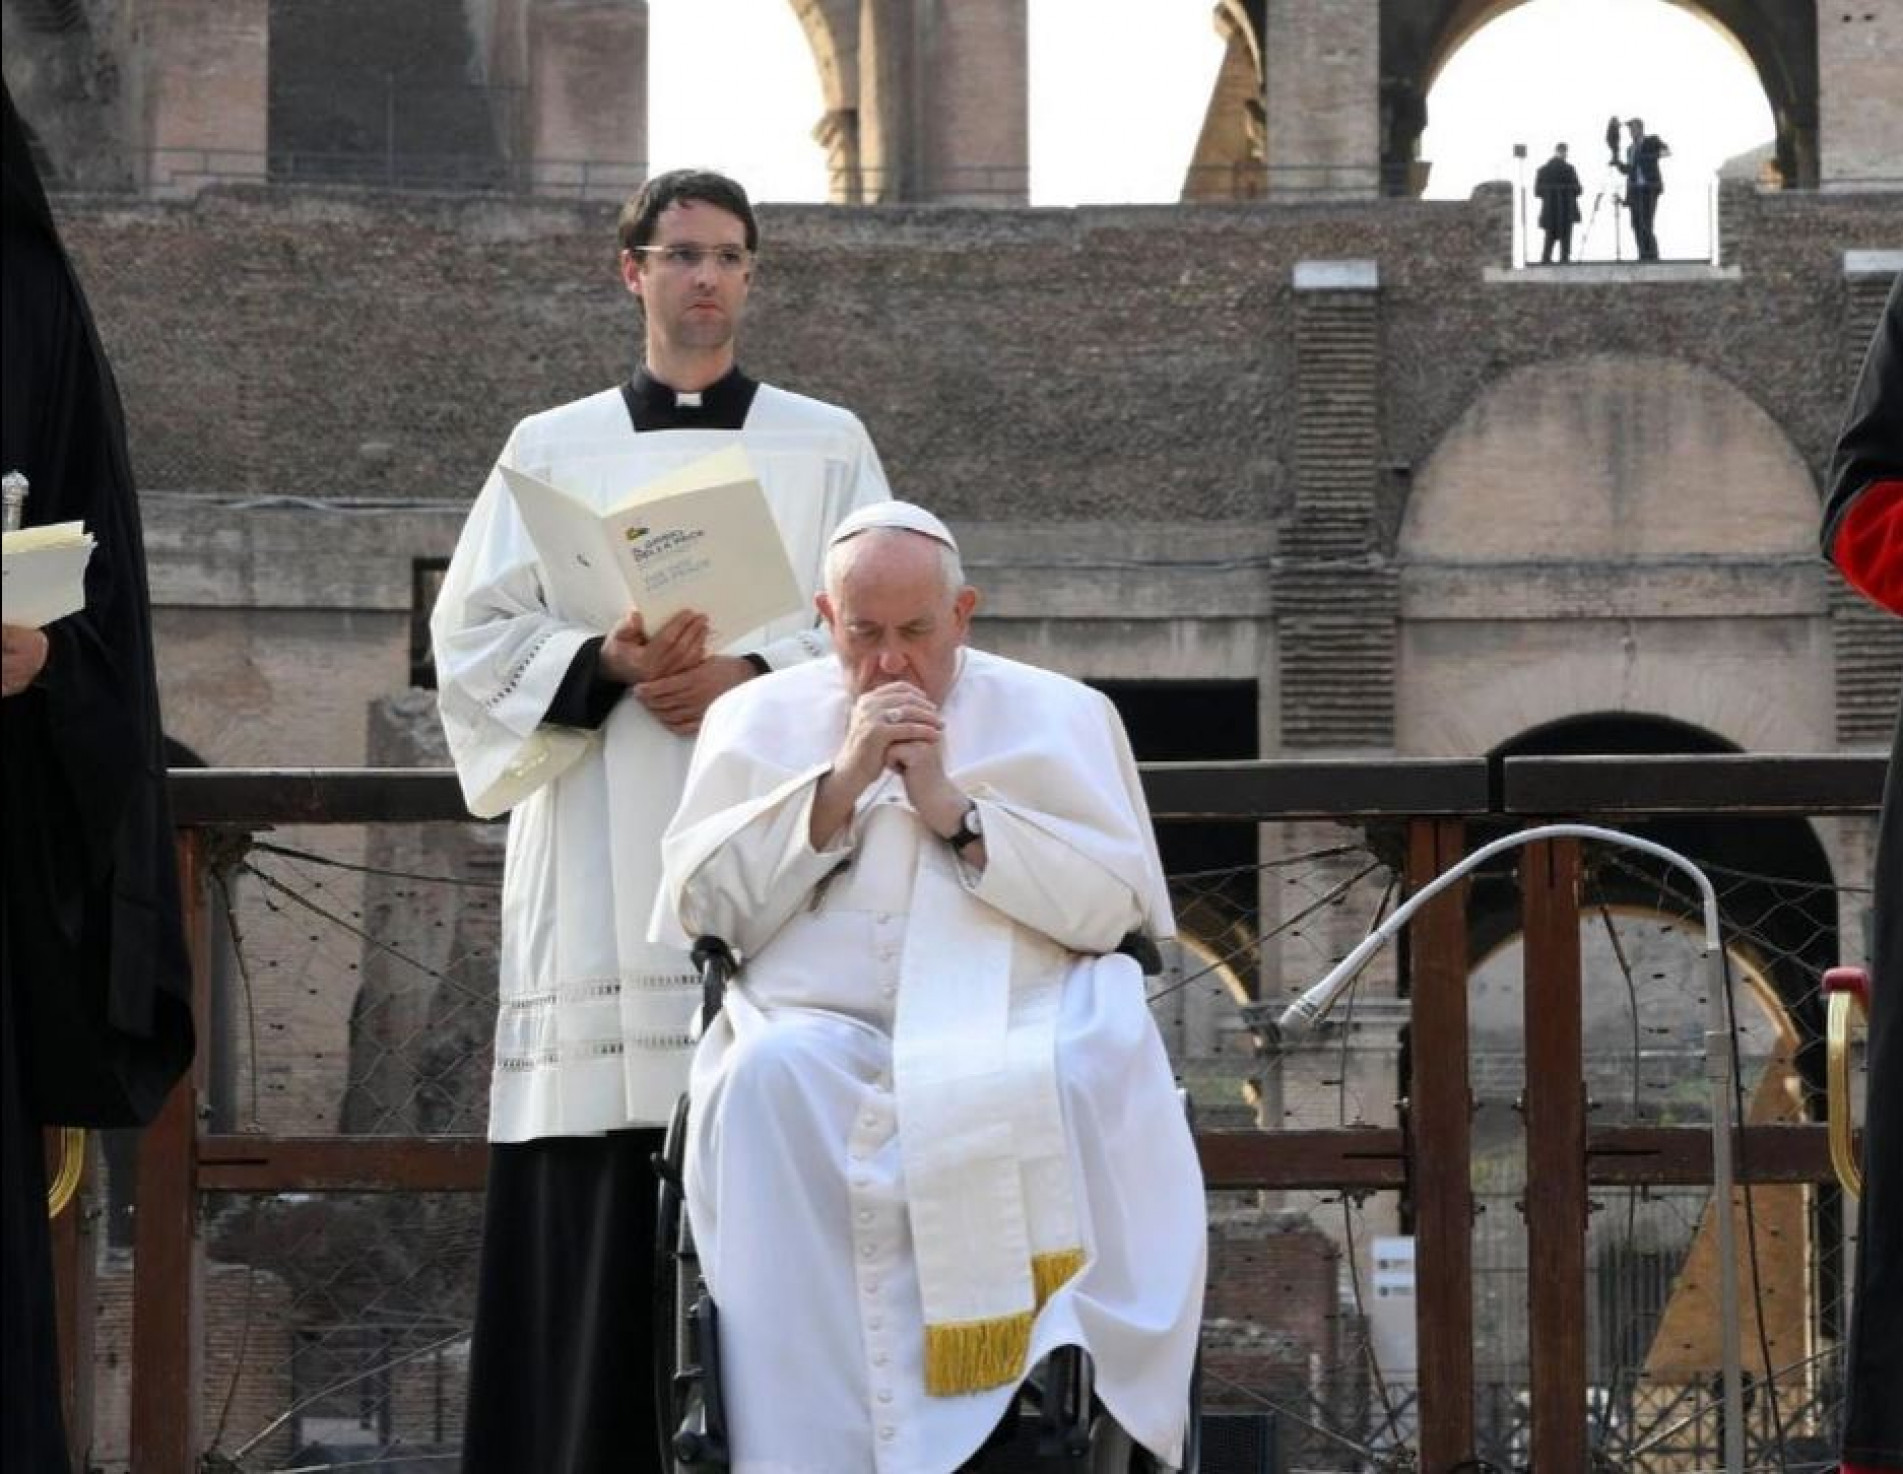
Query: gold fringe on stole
x,y
971,1355
1051,1272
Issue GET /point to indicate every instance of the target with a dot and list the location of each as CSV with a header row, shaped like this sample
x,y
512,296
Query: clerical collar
x,y
722,405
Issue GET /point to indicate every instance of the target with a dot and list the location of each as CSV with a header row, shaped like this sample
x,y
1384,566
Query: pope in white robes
x,y
933,1132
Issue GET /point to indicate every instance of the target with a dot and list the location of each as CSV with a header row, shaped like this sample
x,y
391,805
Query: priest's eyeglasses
x,y
728,259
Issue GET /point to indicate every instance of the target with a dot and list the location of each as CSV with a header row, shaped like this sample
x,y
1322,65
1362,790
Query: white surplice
x,y
593,1018
797,1179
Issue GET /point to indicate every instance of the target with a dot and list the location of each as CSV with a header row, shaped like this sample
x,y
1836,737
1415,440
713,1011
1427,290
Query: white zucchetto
x,y
908,516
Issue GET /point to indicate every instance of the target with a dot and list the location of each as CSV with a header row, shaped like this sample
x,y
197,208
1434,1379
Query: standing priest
x,y
583,740
1863,535
934,1134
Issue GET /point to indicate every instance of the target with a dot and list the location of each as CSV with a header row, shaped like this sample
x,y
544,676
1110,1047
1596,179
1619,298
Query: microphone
x,y
1301,1016
1311,1006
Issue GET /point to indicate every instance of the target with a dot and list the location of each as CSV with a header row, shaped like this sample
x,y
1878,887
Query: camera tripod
x,y
1609,184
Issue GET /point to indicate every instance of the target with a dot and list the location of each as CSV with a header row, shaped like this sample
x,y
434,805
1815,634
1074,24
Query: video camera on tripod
x,y
1614,166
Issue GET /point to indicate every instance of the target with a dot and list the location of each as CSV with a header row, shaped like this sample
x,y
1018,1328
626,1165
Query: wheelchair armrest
x,y
712,951
1142,948
715,962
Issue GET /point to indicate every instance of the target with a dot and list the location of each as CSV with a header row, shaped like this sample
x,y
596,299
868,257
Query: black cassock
x,y
1862,523
97,1014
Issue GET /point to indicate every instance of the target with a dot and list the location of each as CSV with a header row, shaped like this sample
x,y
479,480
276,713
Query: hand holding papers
x,y
44,576
699,538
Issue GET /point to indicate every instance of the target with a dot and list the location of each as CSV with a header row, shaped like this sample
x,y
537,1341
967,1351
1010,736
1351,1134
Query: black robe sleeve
x,y
95,955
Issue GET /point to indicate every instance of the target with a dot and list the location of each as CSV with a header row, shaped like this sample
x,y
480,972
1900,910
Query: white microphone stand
x,y
1306,1011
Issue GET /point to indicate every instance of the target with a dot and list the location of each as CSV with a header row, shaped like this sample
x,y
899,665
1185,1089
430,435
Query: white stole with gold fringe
x,y
987,1173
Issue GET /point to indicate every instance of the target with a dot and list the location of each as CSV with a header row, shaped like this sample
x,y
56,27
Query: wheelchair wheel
x,y
669,1293
1113,1451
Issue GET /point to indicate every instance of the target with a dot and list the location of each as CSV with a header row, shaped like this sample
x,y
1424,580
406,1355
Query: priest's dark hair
x,y
642,212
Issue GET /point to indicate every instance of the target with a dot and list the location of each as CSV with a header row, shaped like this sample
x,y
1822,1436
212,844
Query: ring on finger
x,y
893,716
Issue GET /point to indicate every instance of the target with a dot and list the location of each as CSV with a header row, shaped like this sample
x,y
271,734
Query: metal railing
x,y
184,171
391,1333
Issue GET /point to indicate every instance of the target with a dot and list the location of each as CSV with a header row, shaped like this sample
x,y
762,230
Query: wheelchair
x,y
1054,1425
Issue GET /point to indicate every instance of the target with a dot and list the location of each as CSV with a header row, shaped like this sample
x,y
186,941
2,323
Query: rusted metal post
x,y
1438,1150
1555,1156
167,1288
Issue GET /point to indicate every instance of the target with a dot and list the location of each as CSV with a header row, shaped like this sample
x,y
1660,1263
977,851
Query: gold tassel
x,y
971,1355
1052,1271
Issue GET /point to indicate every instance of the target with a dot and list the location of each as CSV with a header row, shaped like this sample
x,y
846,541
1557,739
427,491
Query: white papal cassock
x,y
804,1190
592,1021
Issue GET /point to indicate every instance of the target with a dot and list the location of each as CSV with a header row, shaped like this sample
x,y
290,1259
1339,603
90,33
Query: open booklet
x,y
700,537
44,576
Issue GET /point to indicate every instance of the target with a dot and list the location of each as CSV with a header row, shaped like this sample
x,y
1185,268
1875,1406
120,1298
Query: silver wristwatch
x,y
971,829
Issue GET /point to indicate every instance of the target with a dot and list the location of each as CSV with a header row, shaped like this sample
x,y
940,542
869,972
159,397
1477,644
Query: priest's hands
x,y
681,699
671,672
24,657
629,655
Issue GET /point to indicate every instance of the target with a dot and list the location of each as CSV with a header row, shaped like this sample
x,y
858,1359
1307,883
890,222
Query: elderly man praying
x,y
934,1132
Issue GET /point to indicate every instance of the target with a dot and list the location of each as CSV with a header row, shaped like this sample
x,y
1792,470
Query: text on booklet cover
x,y
700,537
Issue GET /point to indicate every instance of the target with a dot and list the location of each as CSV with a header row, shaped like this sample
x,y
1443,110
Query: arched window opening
x,y
1547,72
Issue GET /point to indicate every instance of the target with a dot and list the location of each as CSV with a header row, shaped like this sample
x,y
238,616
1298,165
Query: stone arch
x,y
1228,159
1779,40
923,101
832,32
1614,533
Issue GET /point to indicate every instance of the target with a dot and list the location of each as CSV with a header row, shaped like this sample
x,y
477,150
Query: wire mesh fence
x,y
345,1326
353,989
354,981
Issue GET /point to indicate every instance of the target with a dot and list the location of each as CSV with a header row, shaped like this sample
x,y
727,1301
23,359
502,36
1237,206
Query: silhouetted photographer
x,y
1644,180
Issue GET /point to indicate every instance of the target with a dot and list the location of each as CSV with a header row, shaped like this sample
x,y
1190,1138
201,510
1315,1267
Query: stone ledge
x,y
1609,273
1885,264
290,553
1099,570
1337,276
1698,588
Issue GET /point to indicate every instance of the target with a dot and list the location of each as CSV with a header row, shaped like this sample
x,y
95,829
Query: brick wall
x,y
247,1331
1272,1317
1129,362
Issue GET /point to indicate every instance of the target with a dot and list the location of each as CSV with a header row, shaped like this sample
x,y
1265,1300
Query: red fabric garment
x,y
1868,550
